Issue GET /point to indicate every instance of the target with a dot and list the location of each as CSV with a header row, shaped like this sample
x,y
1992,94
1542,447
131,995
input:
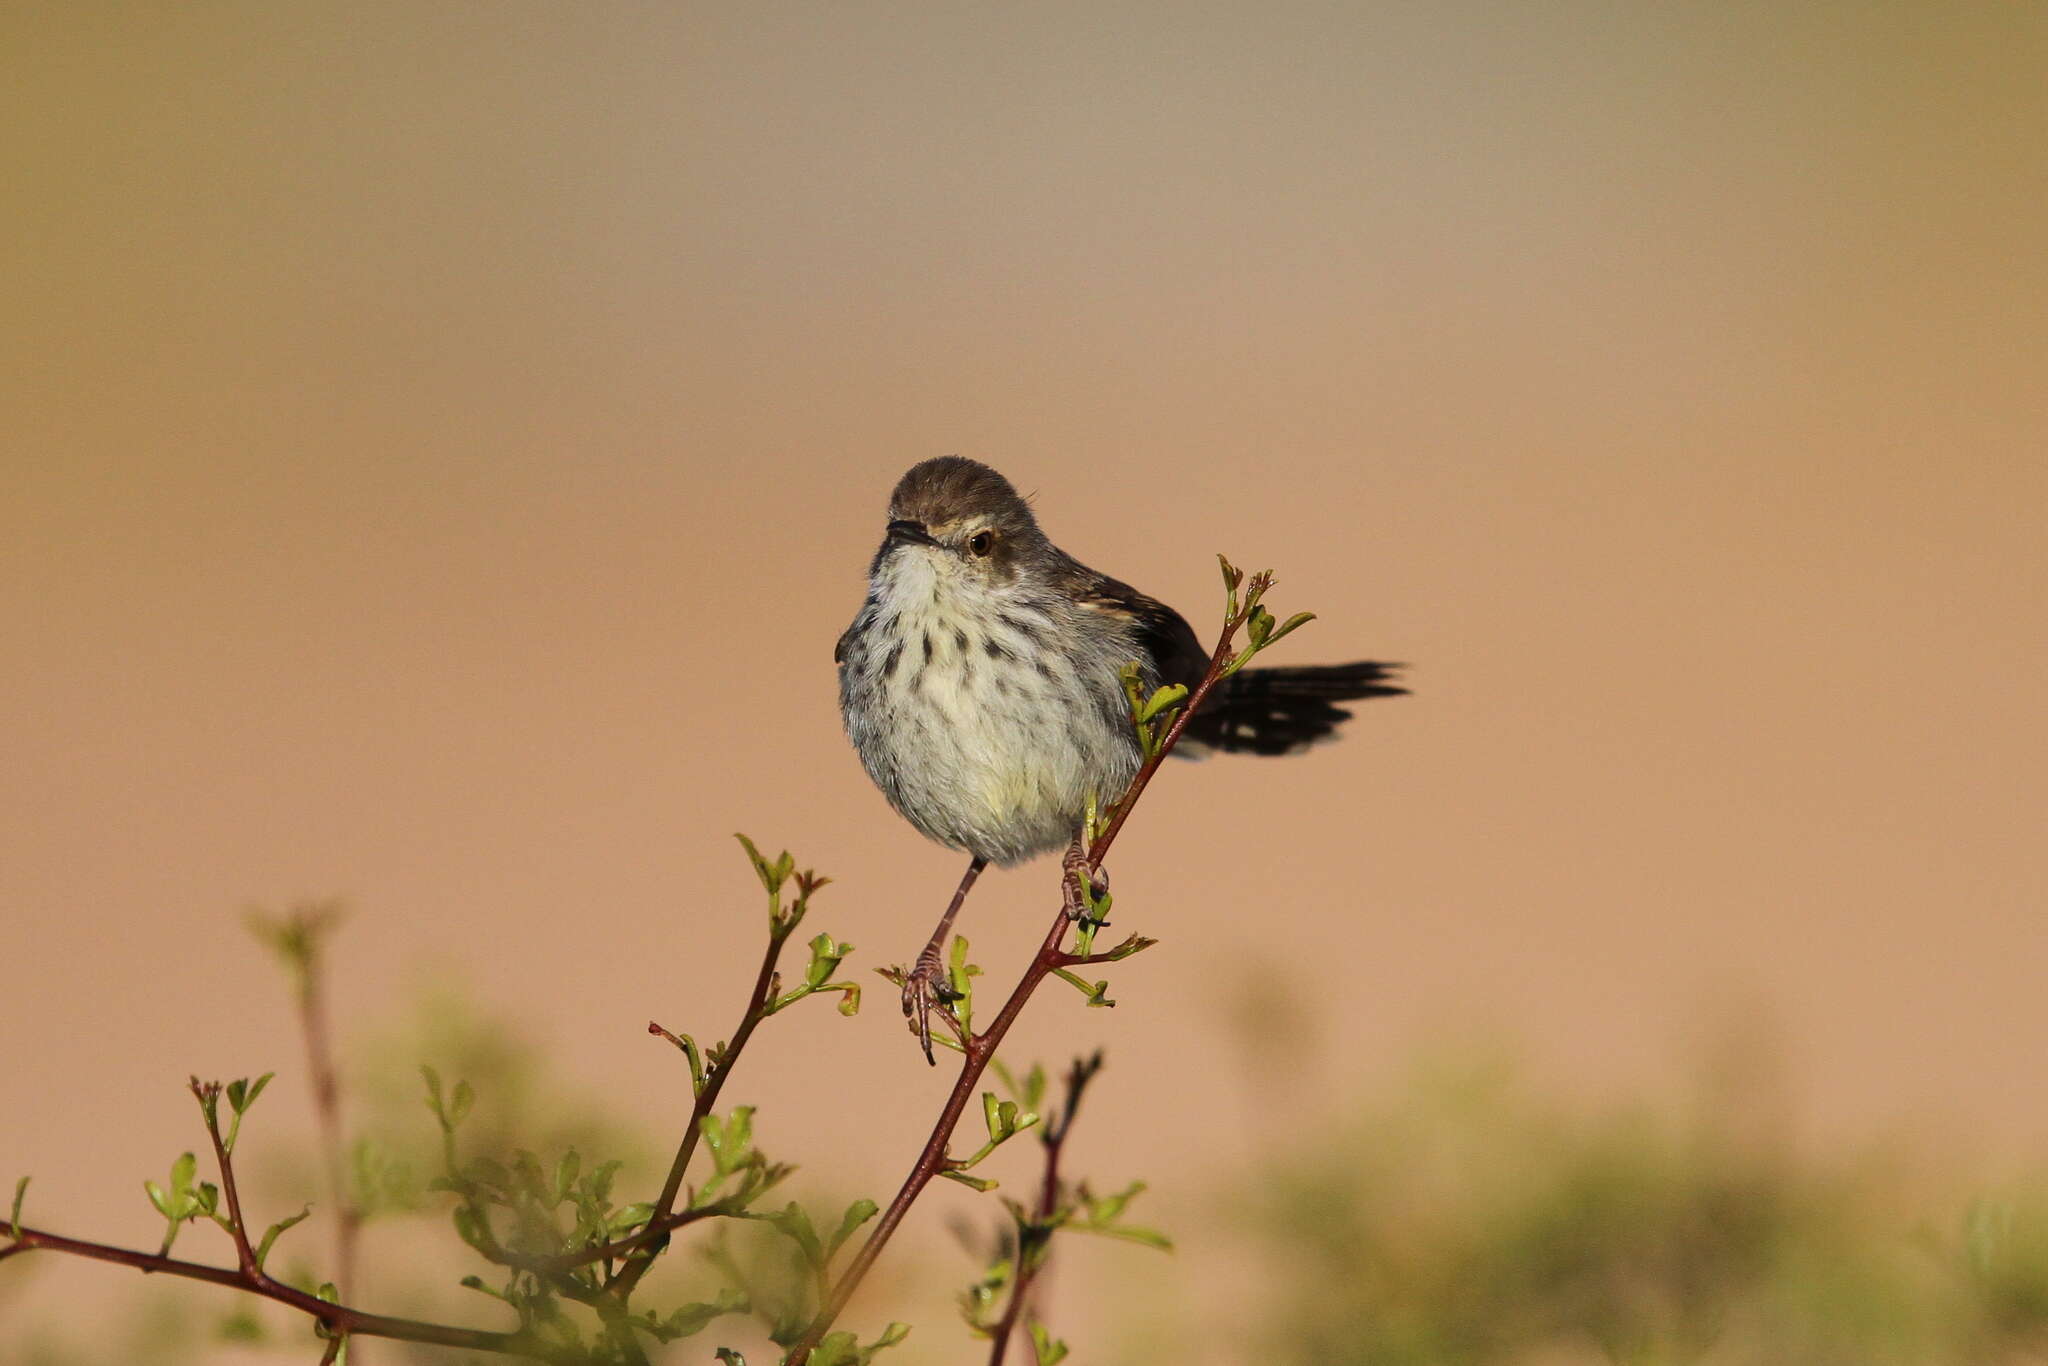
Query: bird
x,y
980,684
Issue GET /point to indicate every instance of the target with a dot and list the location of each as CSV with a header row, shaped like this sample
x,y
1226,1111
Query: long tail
x,y
1273,711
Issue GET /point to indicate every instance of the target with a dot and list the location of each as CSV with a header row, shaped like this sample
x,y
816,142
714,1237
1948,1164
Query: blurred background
x,y
442,444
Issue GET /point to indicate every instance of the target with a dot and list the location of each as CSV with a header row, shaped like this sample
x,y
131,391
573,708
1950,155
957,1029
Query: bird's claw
x,y
924,987
1075,866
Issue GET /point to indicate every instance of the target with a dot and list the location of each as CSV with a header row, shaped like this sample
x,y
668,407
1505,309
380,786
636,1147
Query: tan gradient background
x,y
441,444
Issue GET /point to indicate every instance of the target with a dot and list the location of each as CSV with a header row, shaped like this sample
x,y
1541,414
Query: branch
x,y
327,1106
760,1005
978,1049
1033,1237
208,1096
338,1318
299,937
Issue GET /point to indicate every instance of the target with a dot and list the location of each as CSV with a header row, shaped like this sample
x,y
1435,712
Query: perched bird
x,y
980,683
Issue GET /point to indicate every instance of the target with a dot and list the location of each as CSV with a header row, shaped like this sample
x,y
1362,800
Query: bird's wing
x,y
1177,657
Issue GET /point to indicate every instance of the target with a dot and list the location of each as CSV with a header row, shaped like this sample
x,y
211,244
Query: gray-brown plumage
x,y
979,680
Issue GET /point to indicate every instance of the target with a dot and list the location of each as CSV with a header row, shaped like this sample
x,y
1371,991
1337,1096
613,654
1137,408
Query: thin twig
x,y
327,1109
654,1236
978,1049
299,937
208,1096
339,1318
1033,1236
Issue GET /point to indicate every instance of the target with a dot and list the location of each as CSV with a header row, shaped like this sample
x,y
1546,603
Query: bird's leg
x,y
926,981
1074,867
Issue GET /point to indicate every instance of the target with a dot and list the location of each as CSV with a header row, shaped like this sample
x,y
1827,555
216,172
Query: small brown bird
x,y
980,683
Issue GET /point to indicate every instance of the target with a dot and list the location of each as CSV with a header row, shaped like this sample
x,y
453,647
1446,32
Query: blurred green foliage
x,y
1469,1222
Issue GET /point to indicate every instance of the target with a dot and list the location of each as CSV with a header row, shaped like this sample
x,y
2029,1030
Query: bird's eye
x,y
982,542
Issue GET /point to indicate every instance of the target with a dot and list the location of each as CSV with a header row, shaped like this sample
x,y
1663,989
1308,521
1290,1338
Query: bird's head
x,y
960,523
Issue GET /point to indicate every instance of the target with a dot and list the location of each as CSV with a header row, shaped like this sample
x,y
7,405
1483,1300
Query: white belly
x,y
979,733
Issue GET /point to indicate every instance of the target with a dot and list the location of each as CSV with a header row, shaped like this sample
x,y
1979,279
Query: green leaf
x,y
1102,1213
20,1190
971,1182
1033,1093
458,1109
1133,1233
598,1185
623,1219
957,958
837,1348
1297,620
857,1213
433,1080
772,875
158,1198
1259,626
694,1318
565,1174
1048,1349
1096,994
270,1235
688,1045
1105,1208
1137,943
729,1138
242,1094
795,1224
182,1172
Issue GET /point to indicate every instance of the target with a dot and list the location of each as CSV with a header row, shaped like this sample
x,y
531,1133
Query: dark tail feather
x,y
1272,711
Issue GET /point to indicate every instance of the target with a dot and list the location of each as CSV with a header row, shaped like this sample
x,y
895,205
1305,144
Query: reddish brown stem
x,y
208,1096
1028,1266
327,1110
339,1318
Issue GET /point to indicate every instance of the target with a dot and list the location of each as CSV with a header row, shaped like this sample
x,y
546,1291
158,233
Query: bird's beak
x,y
910,531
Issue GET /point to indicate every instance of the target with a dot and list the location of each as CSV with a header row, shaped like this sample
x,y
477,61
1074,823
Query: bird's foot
x,y
926,987
1074,867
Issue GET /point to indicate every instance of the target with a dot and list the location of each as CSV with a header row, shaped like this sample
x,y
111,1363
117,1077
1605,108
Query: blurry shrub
x,y
1468,1222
